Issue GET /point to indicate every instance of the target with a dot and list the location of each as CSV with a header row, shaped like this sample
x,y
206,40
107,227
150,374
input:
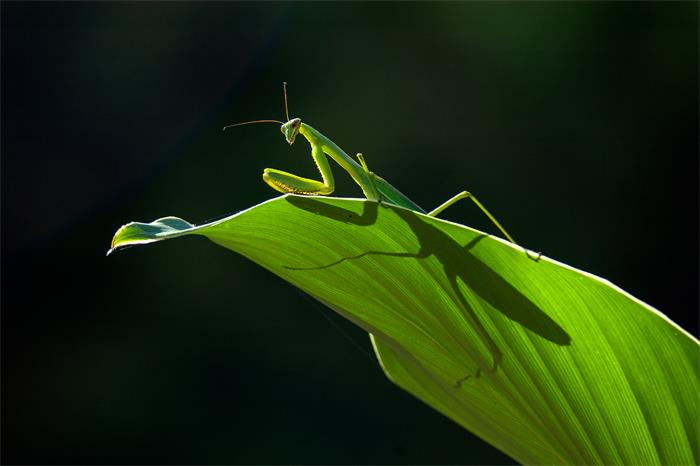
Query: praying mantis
x,y
374,187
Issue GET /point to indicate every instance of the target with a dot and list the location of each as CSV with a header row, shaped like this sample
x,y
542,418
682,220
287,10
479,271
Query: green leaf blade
x,y
548,363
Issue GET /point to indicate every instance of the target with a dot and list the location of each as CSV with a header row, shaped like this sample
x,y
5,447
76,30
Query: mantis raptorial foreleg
x,y
288,183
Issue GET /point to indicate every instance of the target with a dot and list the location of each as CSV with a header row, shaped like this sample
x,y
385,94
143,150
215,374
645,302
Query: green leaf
x,y
548,363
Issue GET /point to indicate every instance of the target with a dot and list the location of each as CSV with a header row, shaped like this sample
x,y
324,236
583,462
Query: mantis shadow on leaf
x,y
457,263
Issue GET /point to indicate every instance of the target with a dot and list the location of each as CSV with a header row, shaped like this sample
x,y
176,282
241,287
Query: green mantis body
x,y
374,187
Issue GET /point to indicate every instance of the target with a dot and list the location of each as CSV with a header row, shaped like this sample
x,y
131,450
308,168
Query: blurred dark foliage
x,y
576,124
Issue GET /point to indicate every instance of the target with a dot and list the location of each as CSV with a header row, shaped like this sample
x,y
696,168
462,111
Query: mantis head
x,y
290,129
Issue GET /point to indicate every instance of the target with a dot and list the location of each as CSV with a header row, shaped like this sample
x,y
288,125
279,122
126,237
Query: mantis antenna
x,y
252,122
286,108
286,112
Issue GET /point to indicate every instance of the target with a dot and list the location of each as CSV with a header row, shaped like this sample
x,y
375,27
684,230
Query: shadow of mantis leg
x,y
481,331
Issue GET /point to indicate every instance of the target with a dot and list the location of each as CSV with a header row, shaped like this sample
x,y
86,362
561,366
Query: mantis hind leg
x,y
468,195
288,183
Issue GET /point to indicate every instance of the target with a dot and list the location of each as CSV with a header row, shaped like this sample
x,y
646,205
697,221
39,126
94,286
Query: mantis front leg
x,y
288,183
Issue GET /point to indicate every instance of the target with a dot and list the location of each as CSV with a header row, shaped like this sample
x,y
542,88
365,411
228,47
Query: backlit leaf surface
x,y
548,363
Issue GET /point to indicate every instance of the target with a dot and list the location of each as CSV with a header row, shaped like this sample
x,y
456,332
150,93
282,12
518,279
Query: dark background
x,y
576,124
